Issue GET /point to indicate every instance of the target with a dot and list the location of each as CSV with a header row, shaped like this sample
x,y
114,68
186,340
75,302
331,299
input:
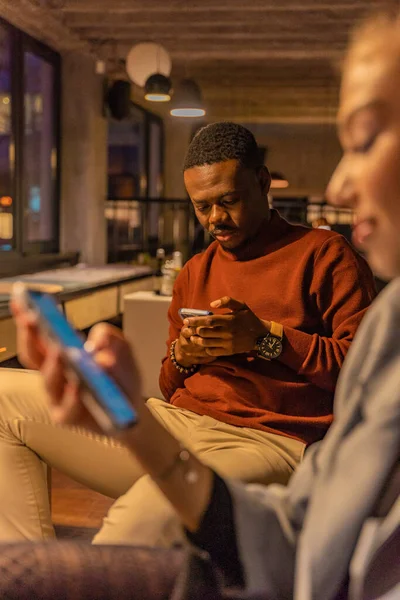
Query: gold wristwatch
x,y
270,346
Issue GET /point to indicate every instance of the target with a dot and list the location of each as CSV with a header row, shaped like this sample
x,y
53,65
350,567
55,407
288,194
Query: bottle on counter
x,y
170,271
158,274
168,279
178,260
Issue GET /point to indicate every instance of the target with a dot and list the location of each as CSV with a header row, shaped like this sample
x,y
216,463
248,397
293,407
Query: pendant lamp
x,y
278,181
187,100
158,88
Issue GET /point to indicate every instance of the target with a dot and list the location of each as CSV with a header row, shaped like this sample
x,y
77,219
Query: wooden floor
x,y
74,505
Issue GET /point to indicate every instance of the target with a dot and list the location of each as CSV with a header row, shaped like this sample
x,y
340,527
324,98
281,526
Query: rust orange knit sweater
x,y
312,282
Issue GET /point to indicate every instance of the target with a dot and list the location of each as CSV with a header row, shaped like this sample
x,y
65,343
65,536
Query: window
x,y
29,125
135,183
155,167
7,205
155,214
39,153
135,156
127,176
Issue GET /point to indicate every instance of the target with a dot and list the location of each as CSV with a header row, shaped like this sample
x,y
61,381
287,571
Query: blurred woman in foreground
x,y
314,539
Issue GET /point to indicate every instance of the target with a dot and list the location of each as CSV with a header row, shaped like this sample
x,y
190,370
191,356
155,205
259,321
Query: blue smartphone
x,y
186,313
106,402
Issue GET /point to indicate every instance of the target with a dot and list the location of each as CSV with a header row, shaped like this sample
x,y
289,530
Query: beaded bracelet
x,y
184,370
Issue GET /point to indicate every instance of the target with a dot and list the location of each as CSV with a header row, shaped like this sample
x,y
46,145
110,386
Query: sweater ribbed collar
x,y
262,243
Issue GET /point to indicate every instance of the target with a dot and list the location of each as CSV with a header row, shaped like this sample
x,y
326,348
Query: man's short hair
x,y
223,141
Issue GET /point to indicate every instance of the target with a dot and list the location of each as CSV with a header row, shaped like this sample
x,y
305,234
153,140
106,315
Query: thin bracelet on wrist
x,y
181,459
183,370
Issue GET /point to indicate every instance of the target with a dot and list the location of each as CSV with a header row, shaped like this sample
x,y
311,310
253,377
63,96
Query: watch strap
x,y
276,330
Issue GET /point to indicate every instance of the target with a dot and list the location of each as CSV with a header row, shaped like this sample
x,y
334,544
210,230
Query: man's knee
x,y
142,517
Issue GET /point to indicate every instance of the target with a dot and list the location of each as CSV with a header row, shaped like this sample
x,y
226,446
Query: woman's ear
x,y
264,178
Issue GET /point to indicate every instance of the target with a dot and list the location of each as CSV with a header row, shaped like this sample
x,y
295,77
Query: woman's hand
x,y
112,353
31,347
109,350
152,445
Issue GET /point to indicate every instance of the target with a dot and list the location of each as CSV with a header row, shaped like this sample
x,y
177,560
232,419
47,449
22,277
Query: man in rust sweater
x,y
252,385
246,389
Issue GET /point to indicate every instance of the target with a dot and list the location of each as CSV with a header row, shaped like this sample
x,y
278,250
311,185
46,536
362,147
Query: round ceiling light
x,y
158,88
187,100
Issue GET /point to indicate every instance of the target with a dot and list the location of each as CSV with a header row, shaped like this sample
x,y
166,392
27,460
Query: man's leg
x,y
28,439
143,516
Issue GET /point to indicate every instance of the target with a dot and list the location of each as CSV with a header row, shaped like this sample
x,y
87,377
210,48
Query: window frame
x,y
149,117
13,254
21,42
153,118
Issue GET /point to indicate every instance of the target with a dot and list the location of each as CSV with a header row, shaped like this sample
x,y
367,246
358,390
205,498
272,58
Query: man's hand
x,y
188,353
224,335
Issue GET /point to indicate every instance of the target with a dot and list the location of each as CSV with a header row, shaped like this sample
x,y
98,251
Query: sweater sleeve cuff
x,y
170,378
296,348
216,534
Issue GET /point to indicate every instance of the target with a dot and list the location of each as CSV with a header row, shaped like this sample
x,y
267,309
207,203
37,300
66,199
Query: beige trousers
x,y
141,515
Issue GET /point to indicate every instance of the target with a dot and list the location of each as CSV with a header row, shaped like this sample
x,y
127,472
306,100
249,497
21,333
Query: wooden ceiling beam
x,y
278,24
191,37
245,113
42,24
264,79
274,95
236,19
256,51
207,6
295,119
248,54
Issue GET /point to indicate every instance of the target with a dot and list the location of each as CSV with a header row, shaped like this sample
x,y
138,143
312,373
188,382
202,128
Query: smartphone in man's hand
x,y
186,313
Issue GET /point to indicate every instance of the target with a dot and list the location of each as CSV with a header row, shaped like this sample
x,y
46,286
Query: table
x,y
145,325
88,294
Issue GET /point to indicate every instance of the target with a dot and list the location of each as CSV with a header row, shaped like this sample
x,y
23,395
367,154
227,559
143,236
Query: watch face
x,y
270,347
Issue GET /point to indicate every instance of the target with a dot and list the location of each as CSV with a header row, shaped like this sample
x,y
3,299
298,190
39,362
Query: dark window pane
x,y
155,222
127,157
40,154
155,160
7,200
